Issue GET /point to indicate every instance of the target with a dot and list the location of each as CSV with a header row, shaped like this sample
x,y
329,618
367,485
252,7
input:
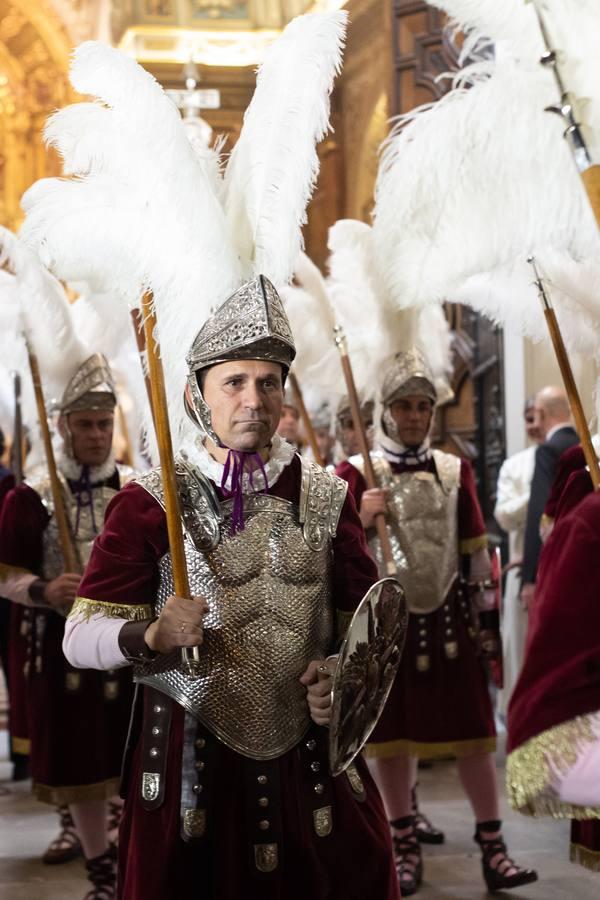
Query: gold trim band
x,y
22,746
530,770
471,545
7,571
387,749
85,609
589,859
82,793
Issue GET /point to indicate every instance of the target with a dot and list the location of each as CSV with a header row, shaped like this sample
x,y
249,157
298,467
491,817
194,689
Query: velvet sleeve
x,y
472,534
121,577
356,482
22,524
354,569
578,486
570,461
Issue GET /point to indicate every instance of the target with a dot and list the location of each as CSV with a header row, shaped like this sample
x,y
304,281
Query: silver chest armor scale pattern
x,y
53,564
423,528
268,588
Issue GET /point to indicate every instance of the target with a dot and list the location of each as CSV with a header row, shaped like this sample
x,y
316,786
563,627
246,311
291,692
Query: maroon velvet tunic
x,y
571,486
352,863
78,719
445,710
18,723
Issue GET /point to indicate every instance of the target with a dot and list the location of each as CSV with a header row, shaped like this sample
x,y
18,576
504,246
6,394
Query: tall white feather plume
x,y
274,165
144,210
471,186
13,357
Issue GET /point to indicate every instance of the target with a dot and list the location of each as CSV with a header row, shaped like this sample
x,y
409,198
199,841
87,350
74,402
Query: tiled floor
x,y
452,871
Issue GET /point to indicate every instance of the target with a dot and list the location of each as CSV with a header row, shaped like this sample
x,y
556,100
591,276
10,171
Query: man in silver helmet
x,y
226,776
345,427
78,719
289,421
439,704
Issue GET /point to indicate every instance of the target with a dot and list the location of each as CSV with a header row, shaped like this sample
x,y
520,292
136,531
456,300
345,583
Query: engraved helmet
x,y
410,374
250,324
343,418
91,387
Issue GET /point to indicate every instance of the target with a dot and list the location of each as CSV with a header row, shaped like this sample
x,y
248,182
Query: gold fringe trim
x,y
85,609
387,749
20,745
471,545
82,793
589,859
7,572
530,770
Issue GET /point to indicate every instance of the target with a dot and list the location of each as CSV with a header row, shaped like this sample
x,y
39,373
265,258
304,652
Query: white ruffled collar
x,y
395,451
282,453
72,469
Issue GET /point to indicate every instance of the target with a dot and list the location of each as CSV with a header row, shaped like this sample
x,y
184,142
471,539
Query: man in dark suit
x,y
553,418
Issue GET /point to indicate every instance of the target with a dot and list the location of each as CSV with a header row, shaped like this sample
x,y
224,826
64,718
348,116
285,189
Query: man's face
x,y
349,435
532,426
412,415
245,399
538,421
91,435
288,424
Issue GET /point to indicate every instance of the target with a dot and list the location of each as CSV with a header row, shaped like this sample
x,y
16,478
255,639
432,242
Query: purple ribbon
x,y
238,462
81,488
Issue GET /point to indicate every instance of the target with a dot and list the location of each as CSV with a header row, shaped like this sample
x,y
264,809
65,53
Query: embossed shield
x,y
367,665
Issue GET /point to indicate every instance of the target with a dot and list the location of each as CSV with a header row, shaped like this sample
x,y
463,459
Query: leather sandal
x,y
502,874
407,855
66,845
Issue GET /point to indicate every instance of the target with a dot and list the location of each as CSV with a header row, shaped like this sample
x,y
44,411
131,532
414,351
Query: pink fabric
x,y
581,784
16,588
94,643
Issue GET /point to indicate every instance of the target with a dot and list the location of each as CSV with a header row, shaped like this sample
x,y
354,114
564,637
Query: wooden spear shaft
x,y
369,473
60,514
306,420
566,371
140,339
17,447
190,656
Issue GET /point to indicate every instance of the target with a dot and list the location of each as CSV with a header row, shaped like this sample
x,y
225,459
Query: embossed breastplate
x,y
423,528
268,589
81,521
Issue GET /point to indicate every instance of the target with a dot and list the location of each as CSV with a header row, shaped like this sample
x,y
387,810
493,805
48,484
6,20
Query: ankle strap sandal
x,y
407,855
500,872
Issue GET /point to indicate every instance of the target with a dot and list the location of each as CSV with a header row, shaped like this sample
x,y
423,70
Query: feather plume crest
x,y
273,168
106,226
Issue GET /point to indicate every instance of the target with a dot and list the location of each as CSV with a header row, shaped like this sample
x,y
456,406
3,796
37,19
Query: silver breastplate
x,y
268,589
423,528
81,522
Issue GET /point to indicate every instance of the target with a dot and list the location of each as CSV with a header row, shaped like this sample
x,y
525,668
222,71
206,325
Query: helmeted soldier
x,y
439,704
227,782
78,719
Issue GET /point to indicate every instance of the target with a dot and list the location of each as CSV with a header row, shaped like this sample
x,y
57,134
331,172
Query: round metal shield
x,y
367,665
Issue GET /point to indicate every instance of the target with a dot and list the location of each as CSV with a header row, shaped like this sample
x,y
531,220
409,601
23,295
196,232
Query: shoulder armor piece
x,y
200,508
448,469
322,496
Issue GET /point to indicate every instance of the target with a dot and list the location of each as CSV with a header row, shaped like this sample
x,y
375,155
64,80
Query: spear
x,y
64,530
567,110
17,445
562,357
190,656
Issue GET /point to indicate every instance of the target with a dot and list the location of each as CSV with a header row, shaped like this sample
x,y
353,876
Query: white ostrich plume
x,y
471,186
142,210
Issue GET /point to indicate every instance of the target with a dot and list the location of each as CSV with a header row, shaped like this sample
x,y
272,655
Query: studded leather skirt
x,y
439,704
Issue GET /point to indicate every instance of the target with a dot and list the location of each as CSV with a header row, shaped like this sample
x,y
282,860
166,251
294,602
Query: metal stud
x,y
315,767
263,824
262,779
263,801
199,765
157,709
311,745
156,730
198,788
154,751
200,744
319,788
